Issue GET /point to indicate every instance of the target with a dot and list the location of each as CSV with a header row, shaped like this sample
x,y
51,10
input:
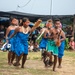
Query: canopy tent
x,y
20,15
32,17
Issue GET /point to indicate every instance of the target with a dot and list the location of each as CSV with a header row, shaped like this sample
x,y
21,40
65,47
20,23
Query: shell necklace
x,y
25,30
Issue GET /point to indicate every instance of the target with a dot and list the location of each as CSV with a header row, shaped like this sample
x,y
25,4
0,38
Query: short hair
x,y
56,20
50,20
24,19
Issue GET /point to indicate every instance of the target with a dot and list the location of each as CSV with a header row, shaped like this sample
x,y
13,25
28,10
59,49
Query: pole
x,y
74,29
51,8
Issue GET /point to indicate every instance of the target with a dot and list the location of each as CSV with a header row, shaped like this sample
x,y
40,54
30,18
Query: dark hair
x,y
11,18
56,20
50,20
24,19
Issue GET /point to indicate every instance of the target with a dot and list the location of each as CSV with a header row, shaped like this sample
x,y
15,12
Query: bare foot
x,y
16,64
22,66
9,63
59,66
54,71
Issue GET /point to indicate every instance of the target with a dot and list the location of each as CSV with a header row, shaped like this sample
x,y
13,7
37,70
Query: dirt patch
x,y
68,66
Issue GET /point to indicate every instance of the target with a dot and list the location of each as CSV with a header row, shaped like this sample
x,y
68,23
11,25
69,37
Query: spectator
x,y
2,31
31,47
34,36
36,47
72,43
69,33
66,41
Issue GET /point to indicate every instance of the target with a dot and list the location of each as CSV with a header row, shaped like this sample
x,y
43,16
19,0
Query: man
x,y
62,46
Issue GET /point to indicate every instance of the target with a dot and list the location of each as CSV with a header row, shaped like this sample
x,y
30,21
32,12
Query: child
x,y
72,43
31,47
36,47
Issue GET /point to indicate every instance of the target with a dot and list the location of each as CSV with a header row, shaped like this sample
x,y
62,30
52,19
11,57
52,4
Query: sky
x,y
41,7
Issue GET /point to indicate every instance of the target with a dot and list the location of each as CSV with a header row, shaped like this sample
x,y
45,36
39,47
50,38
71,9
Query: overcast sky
x,y
42,7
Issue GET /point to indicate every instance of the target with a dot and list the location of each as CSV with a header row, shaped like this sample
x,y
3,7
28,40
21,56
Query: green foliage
x,y
67,21
66,44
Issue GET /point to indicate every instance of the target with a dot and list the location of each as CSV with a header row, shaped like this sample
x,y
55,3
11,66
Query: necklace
x,y
25,30
13,25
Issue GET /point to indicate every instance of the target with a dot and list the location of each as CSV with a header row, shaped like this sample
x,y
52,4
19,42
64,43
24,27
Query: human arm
x,y
63,36
36,25
7,33
16,30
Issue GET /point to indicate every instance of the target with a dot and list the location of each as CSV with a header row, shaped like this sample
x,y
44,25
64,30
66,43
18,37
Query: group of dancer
x,y
17,36
51,34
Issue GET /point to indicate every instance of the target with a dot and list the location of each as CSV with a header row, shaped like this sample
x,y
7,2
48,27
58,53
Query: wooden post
x,y
74,30
74,27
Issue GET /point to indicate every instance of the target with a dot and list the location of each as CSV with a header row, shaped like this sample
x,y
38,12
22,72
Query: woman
x,y
9,32
21,40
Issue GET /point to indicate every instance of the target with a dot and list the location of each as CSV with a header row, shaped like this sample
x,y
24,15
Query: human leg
x,y
59,62
24,60
18,58
9,57
50,61
60,53
13,57
55,62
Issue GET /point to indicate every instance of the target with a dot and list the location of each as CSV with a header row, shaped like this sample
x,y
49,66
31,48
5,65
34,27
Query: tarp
x,y
32,17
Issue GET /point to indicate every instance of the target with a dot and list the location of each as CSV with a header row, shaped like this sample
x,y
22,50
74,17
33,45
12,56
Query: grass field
x,y
35,66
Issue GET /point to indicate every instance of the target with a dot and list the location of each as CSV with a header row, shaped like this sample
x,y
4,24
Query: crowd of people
x,y
24,39
70,44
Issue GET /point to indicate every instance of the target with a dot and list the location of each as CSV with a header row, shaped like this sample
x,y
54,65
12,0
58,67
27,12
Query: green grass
x,y
34,55
70,54
31,69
